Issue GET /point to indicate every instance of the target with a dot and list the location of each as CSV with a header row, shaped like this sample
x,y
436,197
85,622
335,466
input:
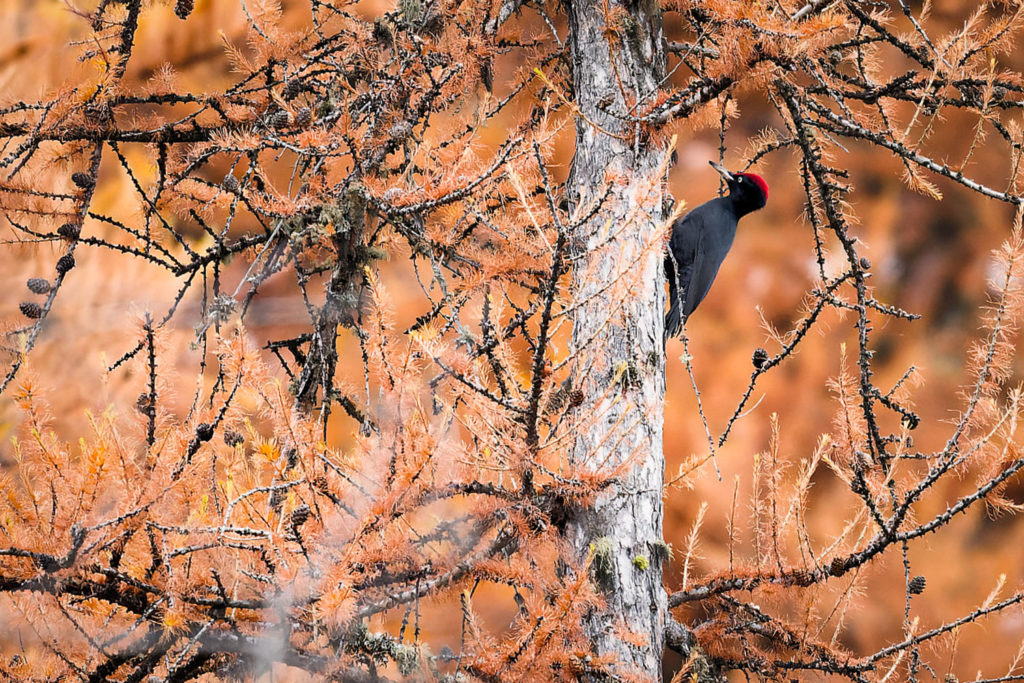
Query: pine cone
x,y
83,180
300,515
65,263
204,431
144,404
183,8
759,358
38,285
69,231
280,119
917,585
30,309
292,89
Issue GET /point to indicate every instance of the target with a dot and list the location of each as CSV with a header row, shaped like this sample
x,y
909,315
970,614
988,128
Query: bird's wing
x,y
705,269
695,290
686,246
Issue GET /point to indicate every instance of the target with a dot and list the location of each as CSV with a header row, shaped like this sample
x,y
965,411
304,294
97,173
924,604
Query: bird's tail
x,y
673,320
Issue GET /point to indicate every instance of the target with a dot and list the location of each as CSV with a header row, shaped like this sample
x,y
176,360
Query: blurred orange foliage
x,y
934,252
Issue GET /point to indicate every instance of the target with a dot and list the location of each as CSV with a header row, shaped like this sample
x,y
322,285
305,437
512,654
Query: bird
x,y
700,241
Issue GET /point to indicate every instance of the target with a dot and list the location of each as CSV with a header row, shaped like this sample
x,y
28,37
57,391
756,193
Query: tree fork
x,y
618,340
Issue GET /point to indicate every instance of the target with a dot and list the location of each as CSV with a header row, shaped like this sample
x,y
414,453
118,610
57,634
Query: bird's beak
x,y
722,170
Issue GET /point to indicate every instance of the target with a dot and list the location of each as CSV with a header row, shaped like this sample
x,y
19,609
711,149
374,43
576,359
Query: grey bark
x,y
617,328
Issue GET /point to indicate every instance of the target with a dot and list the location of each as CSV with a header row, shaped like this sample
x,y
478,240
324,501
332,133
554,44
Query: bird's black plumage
x,y
701,239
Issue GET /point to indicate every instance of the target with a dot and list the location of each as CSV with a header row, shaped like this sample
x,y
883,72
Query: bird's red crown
x,y
757,180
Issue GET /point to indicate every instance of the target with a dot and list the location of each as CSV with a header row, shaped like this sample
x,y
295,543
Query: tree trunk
x,y
617,329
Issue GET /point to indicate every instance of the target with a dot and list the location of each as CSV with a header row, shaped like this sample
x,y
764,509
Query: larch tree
x,y
618,302
325,494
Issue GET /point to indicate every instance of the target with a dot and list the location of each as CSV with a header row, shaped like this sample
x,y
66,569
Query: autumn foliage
x,y
294,381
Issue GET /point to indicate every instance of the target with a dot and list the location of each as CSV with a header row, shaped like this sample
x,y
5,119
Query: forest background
x,y
933,257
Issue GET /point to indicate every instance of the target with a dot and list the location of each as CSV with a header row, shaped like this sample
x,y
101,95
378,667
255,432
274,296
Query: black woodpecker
x,y
701,239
